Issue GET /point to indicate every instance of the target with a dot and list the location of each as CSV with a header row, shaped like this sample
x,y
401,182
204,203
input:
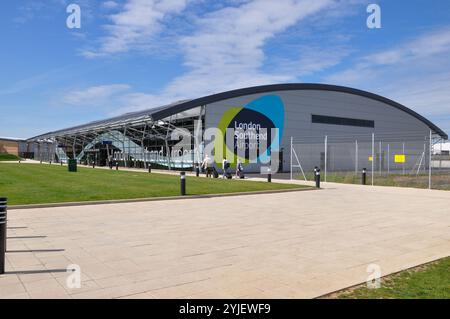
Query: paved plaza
x,y
286,245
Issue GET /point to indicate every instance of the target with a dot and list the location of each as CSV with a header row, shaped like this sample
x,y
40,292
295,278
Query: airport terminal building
x,y
316,124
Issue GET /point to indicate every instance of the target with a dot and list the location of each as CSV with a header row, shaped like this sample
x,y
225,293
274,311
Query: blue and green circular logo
x,y
253,129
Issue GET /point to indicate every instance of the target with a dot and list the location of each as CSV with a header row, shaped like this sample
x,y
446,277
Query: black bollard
x,y
183,183
3,214
93,164
61,163
117,166
363,176
315,171
269,175
318,178
197,171
149,168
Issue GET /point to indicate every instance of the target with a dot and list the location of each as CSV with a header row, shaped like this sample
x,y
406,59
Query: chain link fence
x,y
409,160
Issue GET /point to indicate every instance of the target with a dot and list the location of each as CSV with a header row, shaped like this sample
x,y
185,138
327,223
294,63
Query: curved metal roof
x,y
162,113
171,109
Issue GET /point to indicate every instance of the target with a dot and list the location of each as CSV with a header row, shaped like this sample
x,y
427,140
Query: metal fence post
x,y
424,157
429,163
389,159
380,158
326,151
373,155
291,156
3,221
403,153
356,157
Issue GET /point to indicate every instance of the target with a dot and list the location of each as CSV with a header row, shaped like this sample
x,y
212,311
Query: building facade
x,y
311,124
13,146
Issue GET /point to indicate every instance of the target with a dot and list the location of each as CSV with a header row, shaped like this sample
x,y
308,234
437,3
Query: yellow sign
x,y
370,159
401,158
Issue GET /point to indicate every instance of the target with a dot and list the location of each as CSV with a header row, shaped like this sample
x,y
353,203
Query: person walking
x,y
239,169
225,166
207,164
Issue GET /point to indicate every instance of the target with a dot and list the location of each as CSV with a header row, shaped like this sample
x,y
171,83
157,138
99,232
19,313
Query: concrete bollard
x,y
183,183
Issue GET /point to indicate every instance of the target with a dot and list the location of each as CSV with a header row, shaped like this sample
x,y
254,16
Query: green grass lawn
x,y
427,282
439,180
8,157
44,183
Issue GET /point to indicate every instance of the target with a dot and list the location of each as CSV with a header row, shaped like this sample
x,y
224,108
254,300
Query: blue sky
x,y
137,54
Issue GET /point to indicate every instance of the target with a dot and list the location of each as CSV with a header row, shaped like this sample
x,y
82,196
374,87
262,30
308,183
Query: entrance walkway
x,y
287,245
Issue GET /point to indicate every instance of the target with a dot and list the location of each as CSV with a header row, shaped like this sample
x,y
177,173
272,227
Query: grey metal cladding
x,y
392,125
340,104
164,112
301,104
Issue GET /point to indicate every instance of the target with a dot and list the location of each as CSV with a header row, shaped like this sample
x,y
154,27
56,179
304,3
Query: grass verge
x,y
8,157
42,183
431,281
439,180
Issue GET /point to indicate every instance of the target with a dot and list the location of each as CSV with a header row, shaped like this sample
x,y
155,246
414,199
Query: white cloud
x,y
311,60
415,54
38,80
135,25
139,101
235,36
226,50
28,11
425,46
110,4
94,95
414,73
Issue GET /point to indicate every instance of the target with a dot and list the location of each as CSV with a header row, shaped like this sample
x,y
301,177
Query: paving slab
x,y
285,245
